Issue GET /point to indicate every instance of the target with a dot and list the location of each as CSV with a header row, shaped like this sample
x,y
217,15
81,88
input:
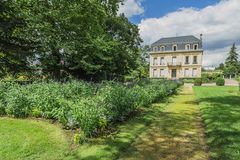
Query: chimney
x,y
201,36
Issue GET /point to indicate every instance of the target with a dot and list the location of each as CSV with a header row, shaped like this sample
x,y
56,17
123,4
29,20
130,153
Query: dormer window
x,y
162,48
195,46
187,46
174,48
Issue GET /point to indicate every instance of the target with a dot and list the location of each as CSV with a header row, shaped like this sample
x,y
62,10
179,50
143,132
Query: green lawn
x,y
31,139
220,108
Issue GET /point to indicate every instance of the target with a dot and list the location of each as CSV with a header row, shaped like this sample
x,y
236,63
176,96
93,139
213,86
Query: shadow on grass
x,y
221,115
172,136
111,146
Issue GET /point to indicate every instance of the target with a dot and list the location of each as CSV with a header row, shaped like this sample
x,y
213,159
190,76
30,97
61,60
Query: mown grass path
x,y
176,133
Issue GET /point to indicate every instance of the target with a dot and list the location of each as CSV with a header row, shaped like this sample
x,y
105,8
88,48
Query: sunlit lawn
x,y
36,139
220,108
31,139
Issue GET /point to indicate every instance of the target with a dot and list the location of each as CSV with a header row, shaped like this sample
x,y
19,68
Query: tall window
x,y
194,59
174,60
162,61
187,60
155,61
174,48
186,72
194,72
161,72
155,73
195,46
187,46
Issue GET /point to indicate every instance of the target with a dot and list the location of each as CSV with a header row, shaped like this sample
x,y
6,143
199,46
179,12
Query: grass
x,y
112,146
168,130
220,108
176,133
31,139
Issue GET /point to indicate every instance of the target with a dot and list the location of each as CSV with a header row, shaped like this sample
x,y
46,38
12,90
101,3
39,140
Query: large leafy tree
x,y
83,38
14,50
231,63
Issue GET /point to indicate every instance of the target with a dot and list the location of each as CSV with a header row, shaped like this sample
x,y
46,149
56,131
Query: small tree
x,y
231,63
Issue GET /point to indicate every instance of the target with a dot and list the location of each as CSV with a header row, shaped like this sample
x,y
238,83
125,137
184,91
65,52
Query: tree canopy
x,y
84,39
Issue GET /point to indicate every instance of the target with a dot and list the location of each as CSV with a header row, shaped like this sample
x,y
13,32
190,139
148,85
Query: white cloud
x,y
219,25
131,8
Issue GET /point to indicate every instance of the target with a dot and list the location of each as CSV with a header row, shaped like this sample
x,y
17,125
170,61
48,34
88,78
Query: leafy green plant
x,y
220,82
78,104
198,82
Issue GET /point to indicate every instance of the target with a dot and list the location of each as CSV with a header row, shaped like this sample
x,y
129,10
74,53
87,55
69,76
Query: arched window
x,y
187,46
195,46
174,48
162,48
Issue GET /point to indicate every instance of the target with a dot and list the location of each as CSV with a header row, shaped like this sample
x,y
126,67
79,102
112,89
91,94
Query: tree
x,y
142,71
220,67
231,63
14,50
86,39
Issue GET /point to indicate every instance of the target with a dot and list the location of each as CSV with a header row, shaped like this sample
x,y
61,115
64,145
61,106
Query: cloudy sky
x,y
217,20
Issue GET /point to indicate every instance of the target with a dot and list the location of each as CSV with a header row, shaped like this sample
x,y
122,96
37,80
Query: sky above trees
x,y
217,20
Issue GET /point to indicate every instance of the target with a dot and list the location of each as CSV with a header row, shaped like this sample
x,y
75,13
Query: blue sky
x,y
217,20
159,8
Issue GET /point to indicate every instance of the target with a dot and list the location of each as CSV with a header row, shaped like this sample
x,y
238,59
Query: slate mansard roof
x,y
177,40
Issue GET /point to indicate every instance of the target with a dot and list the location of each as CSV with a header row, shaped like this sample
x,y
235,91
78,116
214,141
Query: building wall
x,y
180,66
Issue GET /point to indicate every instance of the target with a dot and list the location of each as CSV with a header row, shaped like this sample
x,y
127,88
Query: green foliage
x,y
80,104
208,77
232,66
198,82
220,82
188,80
84,39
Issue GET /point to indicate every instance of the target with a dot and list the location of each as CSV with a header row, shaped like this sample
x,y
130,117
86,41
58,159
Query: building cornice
x,y
178,51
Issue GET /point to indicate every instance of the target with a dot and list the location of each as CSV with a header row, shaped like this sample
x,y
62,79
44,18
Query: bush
x,y
198,82
78,104
208,77
188,80
220,82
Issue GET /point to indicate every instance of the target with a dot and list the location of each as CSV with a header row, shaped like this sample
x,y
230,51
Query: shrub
x,y
78,104
198,82
220,82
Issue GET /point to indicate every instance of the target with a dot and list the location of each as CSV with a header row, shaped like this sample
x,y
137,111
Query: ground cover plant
x,y
78,104
220,108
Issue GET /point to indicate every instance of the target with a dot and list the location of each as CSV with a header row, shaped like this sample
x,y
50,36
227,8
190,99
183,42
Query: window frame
x,y
155,73
162,61
196,47
195,62
188,47
173,47
186,72
187,60
155,61
162,48
162,74
194,75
